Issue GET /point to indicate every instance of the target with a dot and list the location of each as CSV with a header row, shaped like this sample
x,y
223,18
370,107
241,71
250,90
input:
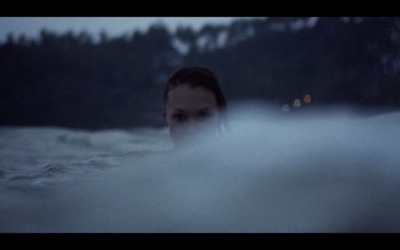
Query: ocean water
x,y
327,170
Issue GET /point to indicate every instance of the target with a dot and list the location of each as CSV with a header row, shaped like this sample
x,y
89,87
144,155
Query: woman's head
x,y
193,100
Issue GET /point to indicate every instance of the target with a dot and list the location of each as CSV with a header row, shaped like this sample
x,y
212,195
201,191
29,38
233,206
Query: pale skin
x,y
188,111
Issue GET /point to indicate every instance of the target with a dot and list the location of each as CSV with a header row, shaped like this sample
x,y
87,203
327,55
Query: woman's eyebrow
x,y
205,109
179,110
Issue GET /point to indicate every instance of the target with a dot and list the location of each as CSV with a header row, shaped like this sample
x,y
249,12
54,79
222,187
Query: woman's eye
x,y
203,116
179,117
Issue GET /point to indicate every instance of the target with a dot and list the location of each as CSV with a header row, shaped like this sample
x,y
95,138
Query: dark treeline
x,y
71,80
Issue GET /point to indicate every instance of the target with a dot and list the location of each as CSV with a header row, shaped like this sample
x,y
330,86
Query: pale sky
x,y
113,26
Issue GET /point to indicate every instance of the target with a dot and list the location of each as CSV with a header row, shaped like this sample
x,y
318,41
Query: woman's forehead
x,y
188,97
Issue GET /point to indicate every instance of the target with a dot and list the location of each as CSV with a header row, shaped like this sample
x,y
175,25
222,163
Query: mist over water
x,y
322,170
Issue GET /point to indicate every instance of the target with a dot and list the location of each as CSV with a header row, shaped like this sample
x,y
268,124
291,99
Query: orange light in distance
x,y
307,99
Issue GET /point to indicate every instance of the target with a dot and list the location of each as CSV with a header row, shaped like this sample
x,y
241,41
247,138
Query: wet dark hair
x,y
194,77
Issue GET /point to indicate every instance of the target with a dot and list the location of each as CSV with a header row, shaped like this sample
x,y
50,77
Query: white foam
x,y
338,173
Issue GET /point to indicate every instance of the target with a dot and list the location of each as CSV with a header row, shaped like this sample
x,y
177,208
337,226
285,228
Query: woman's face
x,y
189,110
